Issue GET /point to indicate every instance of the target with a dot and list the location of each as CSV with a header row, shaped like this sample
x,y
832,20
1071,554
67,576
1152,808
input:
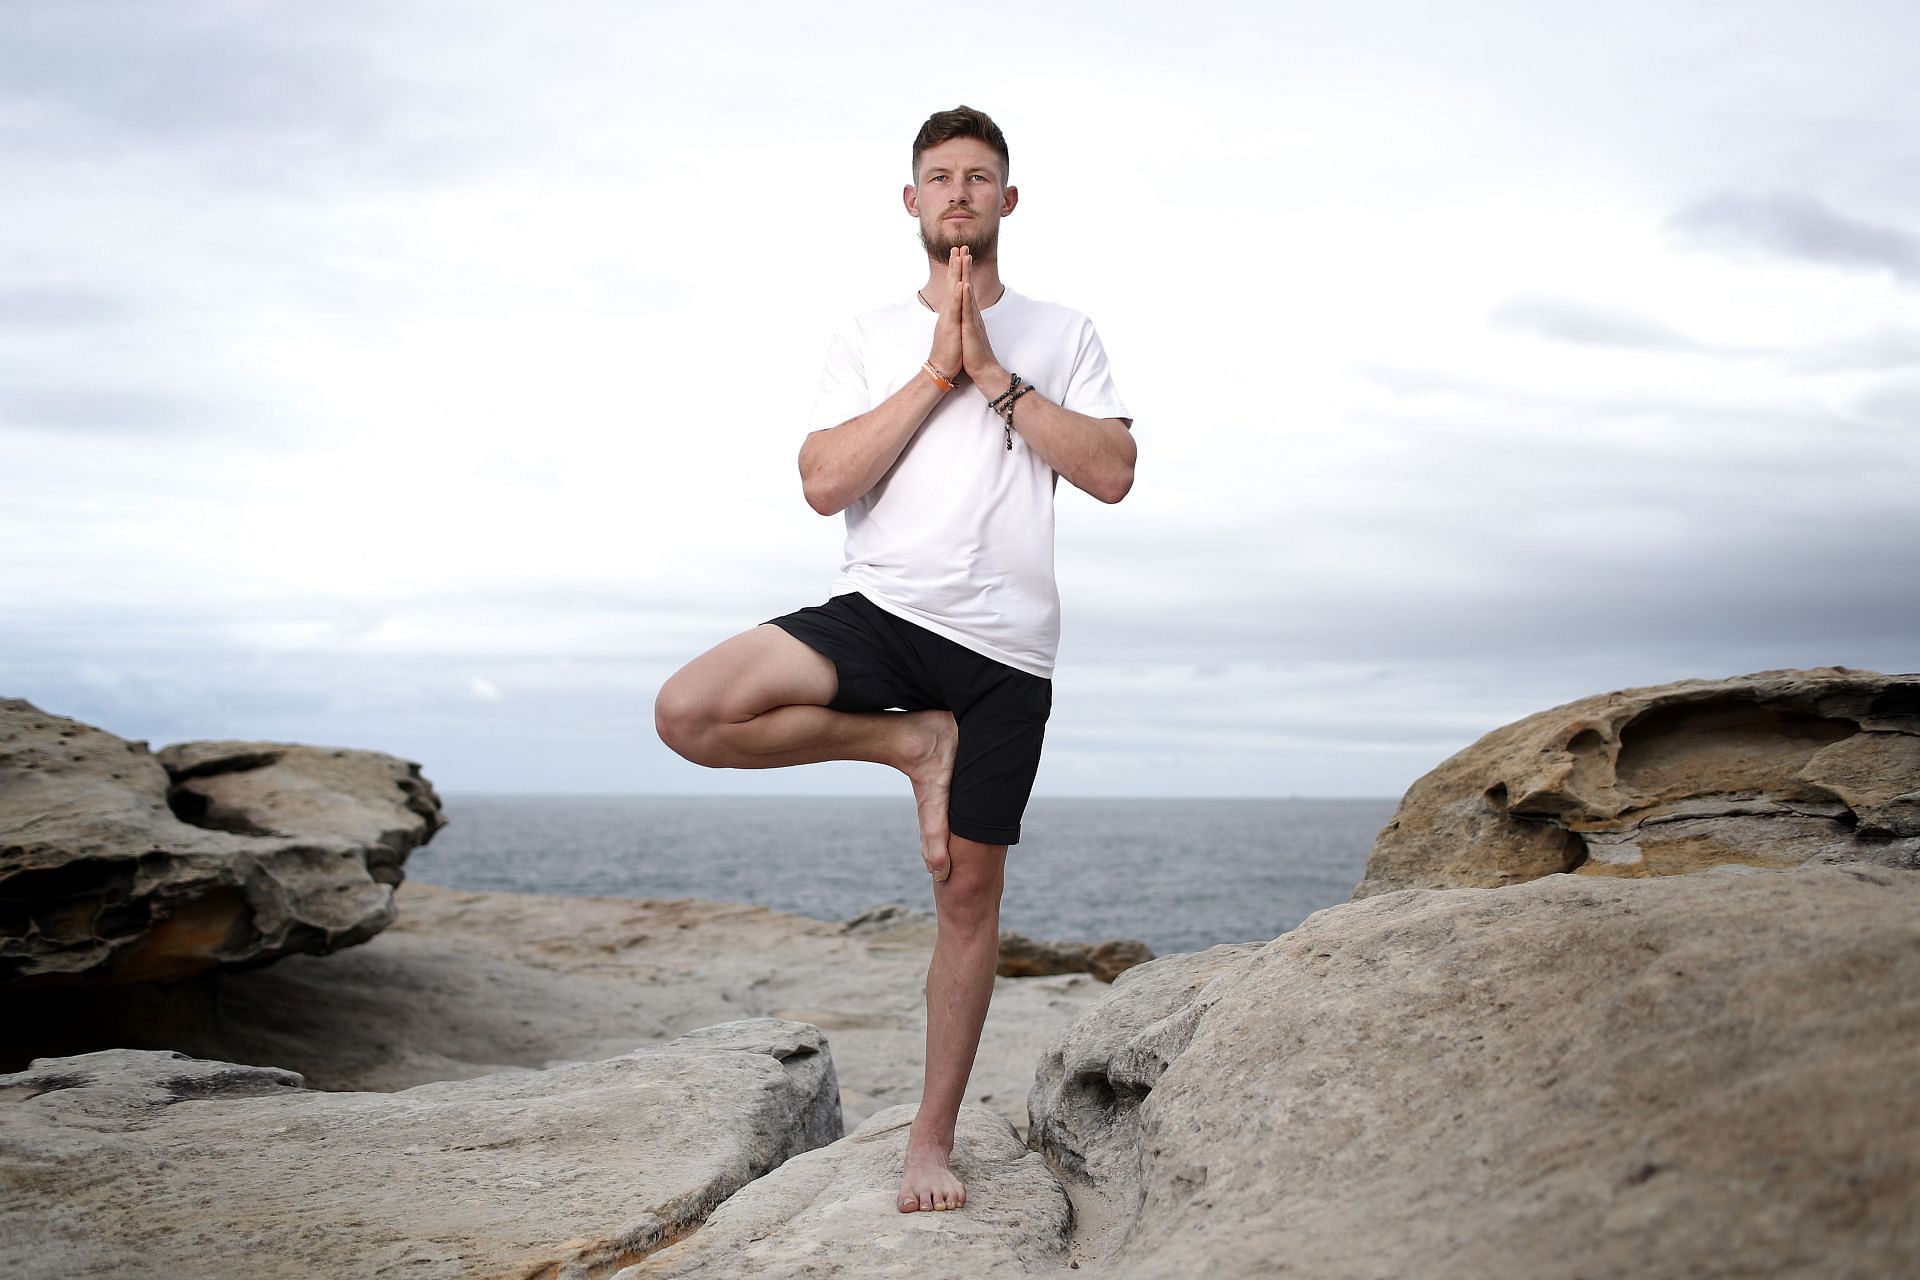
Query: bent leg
x,y
959,989
758,701
717,710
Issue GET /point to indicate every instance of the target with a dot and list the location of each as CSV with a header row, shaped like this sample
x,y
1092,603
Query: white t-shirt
x,y
958,536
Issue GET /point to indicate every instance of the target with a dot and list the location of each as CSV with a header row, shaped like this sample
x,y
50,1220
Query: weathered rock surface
x,y
831,1212
1088,1087
1773,769
1024,957
277,788
113,870
1020,956
467,983
131,1162
1693,1075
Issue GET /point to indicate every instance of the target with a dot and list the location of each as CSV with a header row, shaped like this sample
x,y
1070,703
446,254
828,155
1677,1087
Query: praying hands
x,y
960,344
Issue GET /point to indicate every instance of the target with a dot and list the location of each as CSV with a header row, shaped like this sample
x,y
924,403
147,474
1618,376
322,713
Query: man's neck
x,y
986,283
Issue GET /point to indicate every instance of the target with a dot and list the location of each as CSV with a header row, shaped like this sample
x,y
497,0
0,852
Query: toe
x,y
908,1203
926,1201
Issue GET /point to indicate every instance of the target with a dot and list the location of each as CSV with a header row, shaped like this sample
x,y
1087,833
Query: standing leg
x,y
959,987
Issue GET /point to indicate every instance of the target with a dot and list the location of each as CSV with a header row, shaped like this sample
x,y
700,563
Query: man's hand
x,y
976,353
948,345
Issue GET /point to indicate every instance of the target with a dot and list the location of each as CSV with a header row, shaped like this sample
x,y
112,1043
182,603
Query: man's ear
x,y
910,196
1011,199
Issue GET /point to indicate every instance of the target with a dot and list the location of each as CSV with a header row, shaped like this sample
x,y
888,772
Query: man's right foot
x,y
931,772
927,1184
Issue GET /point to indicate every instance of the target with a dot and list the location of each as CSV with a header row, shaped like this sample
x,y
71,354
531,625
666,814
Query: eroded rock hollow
x,y
1773,769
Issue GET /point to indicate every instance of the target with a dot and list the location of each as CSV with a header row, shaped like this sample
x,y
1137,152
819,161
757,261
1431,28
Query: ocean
x,y
1176,874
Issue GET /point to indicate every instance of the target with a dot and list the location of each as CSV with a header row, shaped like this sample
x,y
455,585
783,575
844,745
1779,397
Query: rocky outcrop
x,y
831,1213
277,788
114,869
1020,956
1024,957
1773,769
132,1162
1708,1074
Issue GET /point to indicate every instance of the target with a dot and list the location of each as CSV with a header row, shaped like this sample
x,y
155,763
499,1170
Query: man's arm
x,y
1096,455
839,464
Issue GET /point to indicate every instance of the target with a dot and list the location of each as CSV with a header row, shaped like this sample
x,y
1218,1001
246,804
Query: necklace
x,y
922,295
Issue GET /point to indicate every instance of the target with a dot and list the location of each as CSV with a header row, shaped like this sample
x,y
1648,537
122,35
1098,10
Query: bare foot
x,y
931,772
928,1183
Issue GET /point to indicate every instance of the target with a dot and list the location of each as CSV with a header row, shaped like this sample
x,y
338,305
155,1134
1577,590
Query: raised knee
x,y
682,720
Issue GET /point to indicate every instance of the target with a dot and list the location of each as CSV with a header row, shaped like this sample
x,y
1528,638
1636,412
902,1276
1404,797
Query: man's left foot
x,y
928,1183
931,772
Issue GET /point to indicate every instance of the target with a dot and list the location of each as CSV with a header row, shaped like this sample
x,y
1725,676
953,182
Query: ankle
x,y
937,1156
930,1140
919,741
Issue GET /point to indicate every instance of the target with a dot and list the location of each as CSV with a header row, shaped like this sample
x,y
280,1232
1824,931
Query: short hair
x,y
961,122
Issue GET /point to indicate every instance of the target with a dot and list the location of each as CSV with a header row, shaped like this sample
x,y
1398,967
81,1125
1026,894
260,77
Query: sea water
x,y
1178,874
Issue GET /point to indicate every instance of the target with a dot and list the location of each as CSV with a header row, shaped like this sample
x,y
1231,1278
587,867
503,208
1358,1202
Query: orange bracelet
x,y
940,380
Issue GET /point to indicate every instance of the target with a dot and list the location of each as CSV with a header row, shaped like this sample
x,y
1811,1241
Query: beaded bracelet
x,y
940,379
1003,403
1012,387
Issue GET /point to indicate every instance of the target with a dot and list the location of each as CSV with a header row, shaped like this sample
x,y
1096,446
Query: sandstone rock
x,y
109,871
1024,957
1698,1075
1773,769
277,788
831,1212
468,983
1084,1107
132,1162
1020,956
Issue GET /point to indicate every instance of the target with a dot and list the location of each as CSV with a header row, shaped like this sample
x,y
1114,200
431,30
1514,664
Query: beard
x,y
979,238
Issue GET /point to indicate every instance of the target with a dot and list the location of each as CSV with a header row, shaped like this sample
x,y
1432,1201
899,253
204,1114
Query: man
x,y
935,654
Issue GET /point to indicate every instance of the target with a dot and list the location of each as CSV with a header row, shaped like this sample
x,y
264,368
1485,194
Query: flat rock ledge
x,y
117,866
139,1162
831,1212
1772,769
1692,1075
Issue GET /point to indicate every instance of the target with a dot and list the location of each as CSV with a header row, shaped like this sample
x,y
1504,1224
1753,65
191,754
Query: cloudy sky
x,y
429,377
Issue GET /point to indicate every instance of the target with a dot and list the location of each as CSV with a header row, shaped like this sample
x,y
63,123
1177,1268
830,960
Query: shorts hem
x,y
983,832
814,643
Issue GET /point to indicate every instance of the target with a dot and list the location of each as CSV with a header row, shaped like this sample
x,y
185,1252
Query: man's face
x,y
959,196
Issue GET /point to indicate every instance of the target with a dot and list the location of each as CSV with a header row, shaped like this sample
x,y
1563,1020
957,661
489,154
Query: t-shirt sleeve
x,y
843,385
1090,387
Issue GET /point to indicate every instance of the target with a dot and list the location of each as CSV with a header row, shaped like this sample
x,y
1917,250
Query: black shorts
x,y
887,662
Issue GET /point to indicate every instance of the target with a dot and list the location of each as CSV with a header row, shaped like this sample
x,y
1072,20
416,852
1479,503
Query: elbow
x,y
1115,486
816,485
1115,478
820,497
